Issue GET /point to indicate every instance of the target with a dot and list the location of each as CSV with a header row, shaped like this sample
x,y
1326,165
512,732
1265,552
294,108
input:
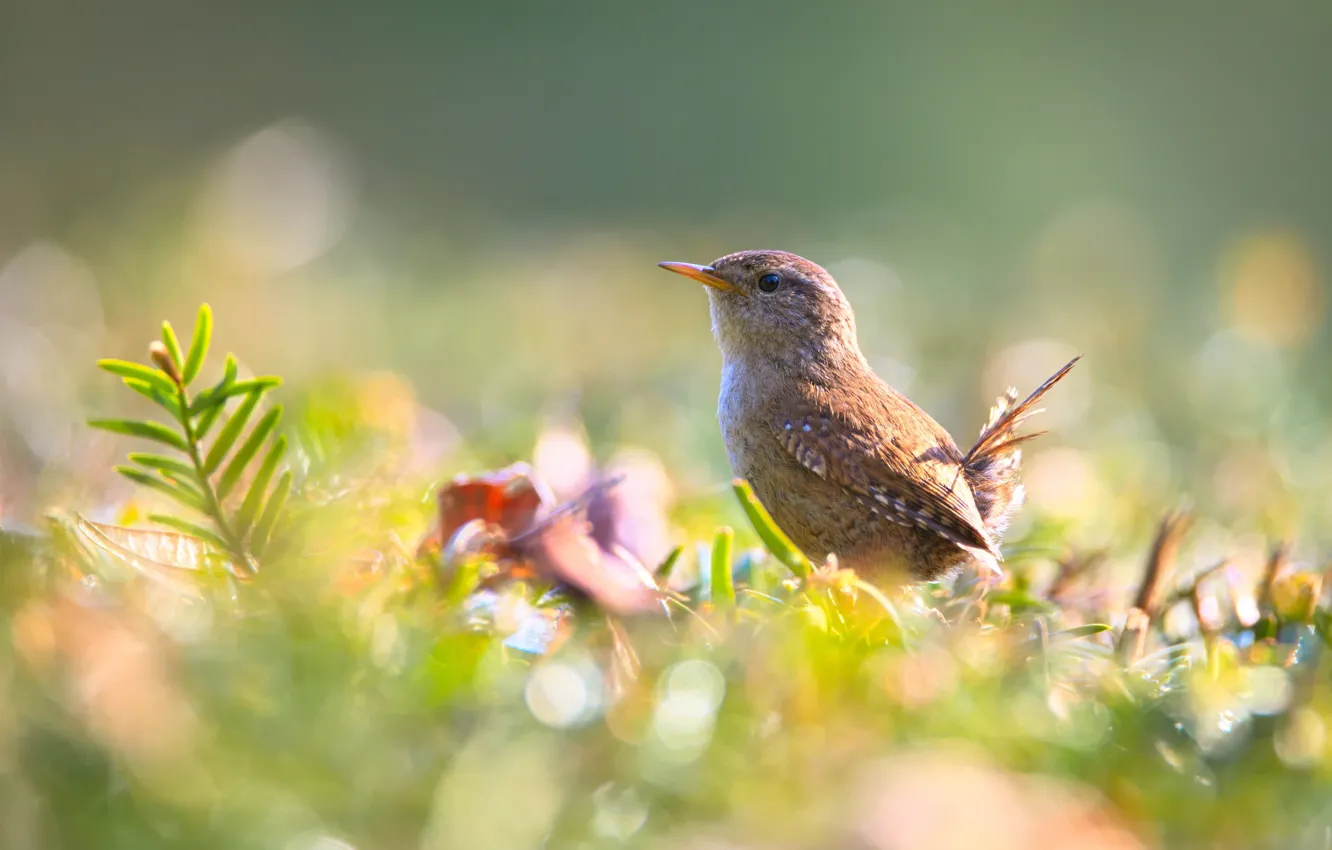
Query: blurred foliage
x,y
362,691
441,226
474,198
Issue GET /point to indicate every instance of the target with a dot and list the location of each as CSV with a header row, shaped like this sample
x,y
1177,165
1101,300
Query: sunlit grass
x,y
359,688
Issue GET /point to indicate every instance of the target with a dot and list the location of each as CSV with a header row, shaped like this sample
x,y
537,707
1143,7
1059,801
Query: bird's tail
x,y
992,464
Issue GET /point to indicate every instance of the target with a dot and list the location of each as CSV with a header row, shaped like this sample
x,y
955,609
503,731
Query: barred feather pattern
x,y
994,476
993,464
920,502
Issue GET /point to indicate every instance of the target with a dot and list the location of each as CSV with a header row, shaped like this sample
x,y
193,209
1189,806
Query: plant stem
x,y
212,505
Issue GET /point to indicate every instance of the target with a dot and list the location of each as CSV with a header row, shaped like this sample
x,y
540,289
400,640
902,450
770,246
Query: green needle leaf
x,y
186,527
203,333
153,377
211,413
723,584
773,537
151,392
216,395
187,497
255,497
226,438
172,344
242,457
168,466
205,423
264,530
147,430
189,488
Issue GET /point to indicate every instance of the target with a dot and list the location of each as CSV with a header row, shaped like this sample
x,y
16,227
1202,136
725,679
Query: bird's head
x,y
776,306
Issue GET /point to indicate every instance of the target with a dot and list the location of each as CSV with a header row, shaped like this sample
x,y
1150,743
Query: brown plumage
x,y
845,464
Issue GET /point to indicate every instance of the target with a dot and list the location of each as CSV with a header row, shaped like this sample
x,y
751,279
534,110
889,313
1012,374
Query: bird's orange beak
x,y
702,274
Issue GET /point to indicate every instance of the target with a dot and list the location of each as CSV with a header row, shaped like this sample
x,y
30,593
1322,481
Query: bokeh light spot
x,y
1268,690
279,200
1063,482
620,812
691,693
1273,289
559,696
1302,738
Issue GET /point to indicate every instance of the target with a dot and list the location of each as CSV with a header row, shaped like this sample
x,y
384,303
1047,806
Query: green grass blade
x,y
723,583
255,497
172,344
226,438
147,430
187,497
153,377
203,333
168,466
187,527
263,530
236,466
1080,631
663,572
773,537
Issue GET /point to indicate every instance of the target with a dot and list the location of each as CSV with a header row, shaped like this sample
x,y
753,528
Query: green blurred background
x,y
473,197
440,223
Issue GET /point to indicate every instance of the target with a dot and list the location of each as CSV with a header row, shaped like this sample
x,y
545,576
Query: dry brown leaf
x,y
510,498
507,516
564,550
173,560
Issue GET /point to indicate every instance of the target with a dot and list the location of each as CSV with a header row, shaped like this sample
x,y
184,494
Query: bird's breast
x,y
735,403
745,410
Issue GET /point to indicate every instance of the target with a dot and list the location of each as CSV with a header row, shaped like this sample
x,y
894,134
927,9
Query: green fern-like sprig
x,y
208,472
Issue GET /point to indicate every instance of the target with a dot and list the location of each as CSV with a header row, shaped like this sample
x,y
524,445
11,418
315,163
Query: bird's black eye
x,y
770,282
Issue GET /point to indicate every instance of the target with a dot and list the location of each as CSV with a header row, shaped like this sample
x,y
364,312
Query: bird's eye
x,y
770,282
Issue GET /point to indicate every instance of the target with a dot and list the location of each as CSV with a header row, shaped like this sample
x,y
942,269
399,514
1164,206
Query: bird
x,y
846,465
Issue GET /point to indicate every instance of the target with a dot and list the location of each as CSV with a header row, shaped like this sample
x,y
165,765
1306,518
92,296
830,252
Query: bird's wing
x,y
902,475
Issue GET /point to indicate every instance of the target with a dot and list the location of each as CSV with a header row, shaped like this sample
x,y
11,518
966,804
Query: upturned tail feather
x,y
991,467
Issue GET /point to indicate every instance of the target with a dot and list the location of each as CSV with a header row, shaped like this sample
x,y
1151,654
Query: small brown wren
x,y
845,464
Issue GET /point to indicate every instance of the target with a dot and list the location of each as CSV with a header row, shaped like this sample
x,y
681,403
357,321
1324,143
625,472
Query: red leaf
x,y
509,498
508,515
